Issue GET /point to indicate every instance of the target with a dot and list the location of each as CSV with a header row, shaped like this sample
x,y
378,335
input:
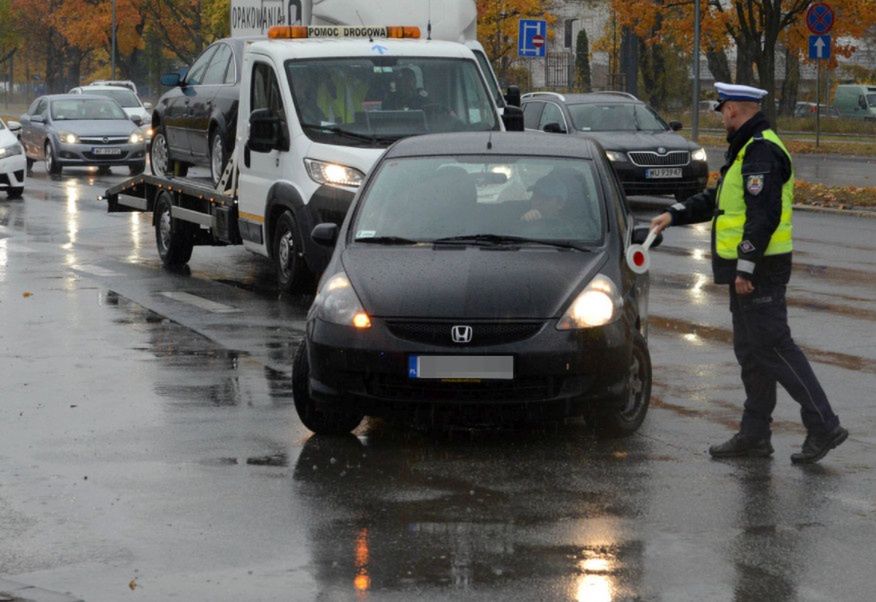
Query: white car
x,y
12,163
140,112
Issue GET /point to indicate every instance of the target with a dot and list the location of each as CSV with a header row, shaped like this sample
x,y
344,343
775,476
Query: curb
x,y
21,592
834,211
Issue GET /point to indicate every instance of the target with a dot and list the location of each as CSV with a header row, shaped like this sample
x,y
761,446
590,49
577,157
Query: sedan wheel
x,y
217,158
158,154
52,165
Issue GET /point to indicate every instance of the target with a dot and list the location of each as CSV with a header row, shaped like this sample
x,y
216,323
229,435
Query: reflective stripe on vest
x,y
730,222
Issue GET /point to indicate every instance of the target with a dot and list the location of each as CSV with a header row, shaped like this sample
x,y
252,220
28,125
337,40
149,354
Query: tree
x,y
582,61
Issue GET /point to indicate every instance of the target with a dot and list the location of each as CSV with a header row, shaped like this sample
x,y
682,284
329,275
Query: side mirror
x,y
512,97
862,102
137,119
675,125
325,235
554,128
14,126
512,117
171,80
640,233
38,119
147,106
266,132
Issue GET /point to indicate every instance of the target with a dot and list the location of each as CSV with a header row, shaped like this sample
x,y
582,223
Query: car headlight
x,y
337,303
136,138
615,156
68,138
9,151
597,305
333,174
699,155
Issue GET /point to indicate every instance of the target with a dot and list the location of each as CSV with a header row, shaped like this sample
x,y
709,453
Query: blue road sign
x,y
819,47
532,38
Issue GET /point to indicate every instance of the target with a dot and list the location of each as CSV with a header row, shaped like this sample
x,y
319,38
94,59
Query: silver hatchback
x,y
66,130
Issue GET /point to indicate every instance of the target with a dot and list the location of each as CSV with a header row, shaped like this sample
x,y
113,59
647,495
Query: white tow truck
x,y
318,106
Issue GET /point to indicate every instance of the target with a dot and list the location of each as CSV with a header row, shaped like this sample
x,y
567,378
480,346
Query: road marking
x,y
95,270
211,306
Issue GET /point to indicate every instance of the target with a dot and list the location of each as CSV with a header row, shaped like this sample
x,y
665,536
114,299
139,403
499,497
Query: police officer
x,y
751,252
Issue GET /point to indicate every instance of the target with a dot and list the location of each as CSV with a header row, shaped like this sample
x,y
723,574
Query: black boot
x,y
743,446
816,446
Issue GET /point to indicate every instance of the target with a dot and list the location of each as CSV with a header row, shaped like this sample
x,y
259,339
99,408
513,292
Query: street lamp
x,y
695,115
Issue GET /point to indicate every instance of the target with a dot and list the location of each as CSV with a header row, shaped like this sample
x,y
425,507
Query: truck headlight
x,y
699,155
337,303
333,174
615,156
9,151
597,305
68,138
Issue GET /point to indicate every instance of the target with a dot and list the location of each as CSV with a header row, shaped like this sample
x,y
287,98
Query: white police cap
x,y
737,92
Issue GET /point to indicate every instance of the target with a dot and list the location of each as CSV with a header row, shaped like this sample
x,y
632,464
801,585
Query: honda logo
x,y
461,334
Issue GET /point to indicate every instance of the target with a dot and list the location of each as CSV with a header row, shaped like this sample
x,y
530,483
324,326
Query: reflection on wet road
x,y
149,432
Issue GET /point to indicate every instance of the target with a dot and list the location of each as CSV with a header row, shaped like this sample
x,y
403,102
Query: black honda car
x,y
648,154
194,122
480,275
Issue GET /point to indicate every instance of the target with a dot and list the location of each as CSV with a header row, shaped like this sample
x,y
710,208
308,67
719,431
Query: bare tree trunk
x,y
718,65
744,62
792,81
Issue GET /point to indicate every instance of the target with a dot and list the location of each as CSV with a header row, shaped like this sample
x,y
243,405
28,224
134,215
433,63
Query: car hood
x,y
467,282
7,138
95,127
627,141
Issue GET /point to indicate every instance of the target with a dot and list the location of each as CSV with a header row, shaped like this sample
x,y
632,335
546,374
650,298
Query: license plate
x,y
490,367
112,150
663,172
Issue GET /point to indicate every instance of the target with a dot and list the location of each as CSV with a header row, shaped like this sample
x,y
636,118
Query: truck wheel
x,y
174,238
318,420
136,170
14,193
52,165
287,246
218,157
625,415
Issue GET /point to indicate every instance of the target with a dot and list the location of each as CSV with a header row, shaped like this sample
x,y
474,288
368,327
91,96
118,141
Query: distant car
x,y
646,152
480,273
808,109
67,130
856,101
708,105
12,162
124,83
139,111
195,121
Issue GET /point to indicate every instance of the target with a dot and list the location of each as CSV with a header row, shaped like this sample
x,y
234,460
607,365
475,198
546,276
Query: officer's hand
x,y
661,222
743,286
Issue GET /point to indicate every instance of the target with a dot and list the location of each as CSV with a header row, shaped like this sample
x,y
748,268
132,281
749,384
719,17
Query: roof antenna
x,y
429,23
490,141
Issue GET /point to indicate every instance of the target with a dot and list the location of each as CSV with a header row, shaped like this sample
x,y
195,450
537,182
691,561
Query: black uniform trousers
x,y
768,355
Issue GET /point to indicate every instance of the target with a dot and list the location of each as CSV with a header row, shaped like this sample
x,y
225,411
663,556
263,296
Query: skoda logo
x,y
461,334
105,139
661,150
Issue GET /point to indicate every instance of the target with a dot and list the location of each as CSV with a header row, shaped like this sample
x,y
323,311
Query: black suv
x,y
647,154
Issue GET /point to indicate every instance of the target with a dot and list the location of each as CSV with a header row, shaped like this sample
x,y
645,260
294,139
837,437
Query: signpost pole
x,y
695,115
817,102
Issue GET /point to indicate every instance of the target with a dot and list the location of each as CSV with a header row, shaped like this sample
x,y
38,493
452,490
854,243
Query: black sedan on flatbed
x,y
480,276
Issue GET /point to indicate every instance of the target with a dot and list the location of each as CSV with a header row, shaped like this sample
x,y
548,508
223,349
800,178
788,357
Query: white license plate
x,y
491,367
663,172
111,150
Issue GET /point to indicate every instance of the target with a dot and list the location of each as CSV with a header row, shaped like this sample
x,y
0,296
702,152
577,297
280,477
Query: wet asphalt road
x,y
149,448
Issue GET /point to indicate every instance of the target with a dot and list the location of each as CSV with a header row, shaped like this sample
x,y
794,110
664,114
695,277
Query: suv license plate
x,y
112,150
663,172
493,367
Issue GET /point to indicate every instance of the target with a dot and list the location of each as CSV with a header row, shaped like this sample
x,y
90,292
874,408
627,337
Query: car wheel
x,y
174,238
292,273
29,163
218,157
136,170
15,193
159,157
317,419
52,165
625,415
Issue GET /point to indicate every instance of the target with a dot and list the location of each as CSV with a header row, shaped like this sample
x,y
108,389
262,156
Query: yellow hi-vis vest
x,y
730,221
340,98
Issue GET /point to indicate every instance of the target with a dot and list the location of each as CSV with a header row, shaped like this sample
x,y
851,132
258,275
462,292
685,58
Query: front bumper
x,y
91,154
556,373
12,172
694,177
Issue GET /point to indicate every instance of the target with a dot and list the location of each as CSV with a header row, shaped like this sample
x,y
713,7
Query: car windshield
x,y
124,97
372,101
487,198
615,117
86,108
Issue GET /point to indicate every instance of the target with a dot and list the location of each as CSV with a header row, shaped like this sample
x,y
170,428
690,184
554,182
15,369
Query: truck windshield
x,y
372,101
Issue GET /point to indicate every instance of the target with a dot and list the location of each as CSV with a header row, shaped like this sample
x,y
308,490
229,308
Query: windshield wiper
x,y
502,239
386,240
336,129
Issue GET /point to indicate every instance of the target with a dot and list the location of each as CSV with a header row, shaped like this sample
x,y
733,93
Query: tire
x,y
52,166
318,420
174,238
159,157
136,170
622,417
15,193
218,157
29,163
292,273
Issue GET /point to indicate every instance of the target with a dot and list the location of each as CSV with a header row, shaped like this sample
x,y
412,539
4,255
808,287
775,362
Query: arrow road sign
x,y
531,36
819,47
819,18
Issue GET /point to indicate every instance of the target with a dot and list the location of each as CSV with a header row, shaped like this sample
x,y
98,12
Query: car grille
x,y
483,333
104,139
401,388
652,159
